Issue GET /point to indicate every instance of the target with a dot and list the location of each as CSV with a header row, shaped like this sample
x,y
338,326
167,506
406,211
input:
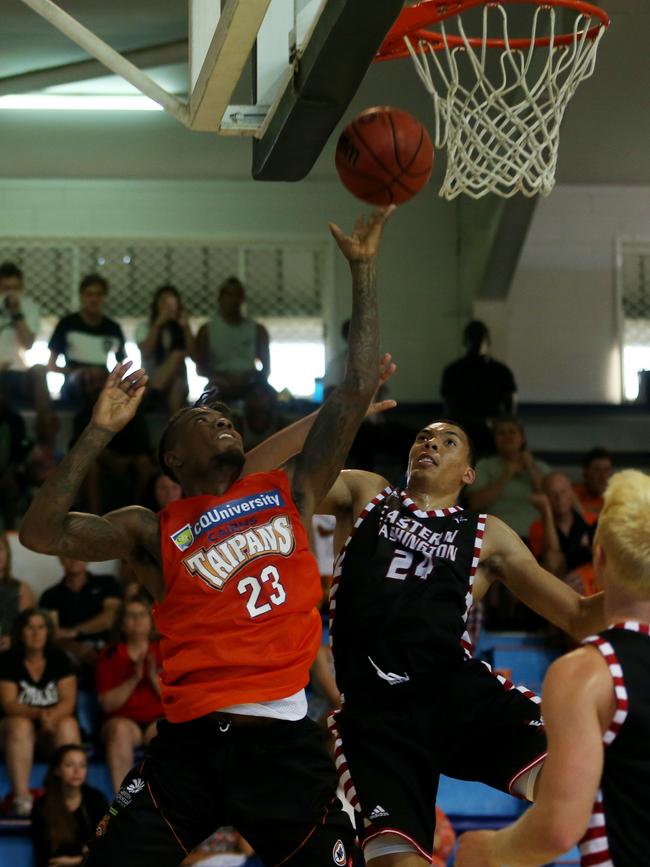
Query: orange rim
x,y
414,20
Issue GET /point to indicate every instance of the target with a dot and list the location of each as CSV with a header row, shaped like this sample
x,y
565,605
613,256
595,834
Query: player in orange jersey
x,y
236,592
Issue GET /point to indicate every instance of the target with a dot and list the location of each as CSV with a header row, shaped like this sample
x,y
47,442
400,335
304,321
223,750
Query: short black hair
x,y
475,333
167,440
9,269
93,280
596,454
470,443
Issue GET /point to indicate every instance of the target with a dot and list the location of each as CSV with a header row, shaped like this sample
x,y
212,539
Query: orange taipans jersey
x,y
239,620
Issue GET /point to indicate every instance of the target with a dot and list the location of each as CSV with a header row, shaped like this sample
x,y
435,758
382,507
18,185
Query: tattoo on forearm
x,y
332,435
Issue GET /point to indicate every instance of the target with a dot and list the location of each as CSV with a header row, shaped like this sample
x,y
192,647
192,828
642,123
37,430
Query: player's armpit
x,y
505,555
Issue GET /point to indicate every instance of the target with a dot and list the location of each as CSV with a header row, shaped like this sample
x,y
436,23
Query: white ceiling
x,y
605,138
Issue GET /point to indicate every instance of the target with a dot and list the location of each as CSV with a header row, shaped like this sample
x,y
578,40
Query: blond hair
x,y
624,531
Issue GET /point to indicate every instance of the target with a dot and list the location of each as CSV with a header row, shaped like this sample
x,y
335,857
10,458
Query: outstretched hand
x,y
386,369
364,242
120,398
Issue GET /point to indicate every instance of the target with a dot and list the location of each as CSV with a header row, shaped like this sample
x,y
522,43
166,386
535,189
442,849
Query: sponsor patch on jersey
x,y
126,793
338,853
183,538
234,509
100,830
218,563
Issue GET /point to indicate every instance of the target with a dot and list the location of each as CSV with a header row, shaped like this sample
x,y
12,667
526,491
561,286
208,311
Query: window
x,y
634,282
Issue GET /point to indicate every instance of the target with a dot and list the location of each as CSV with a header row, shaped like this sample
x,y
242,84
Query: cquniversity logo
x,y
183,538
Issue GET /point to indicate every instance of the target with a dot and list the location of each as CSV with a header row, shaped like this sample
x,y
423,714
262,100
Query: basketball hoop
x,y
500,126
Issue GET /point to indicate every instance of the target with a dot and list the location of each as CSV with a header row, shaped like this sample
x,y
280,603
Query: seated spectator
x,y
229,346
44,455
84,606
165,342
38,694
123,469
597,469
19,325
261,416
85,338
505,481
160,491
477,388
561,539
14,447
65,817
128,686
15,595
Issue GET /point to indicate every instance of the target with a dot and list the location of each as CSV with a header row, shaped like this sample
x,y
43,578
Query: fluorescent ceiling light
x,y
76,102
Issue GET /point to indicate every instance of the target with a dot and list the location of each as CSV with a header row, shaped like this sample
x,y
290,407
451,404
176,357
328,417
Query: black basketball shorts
x,y
474,726
273,780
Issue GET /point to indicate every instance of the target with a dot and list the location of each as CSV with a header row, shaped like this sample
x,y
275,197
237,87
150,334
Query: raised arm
x,y
506,558
331,437
48,526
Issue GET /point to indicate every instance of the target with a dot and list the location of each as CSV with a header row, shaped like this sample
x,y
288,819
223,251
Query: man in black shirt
x,y
87,337
85,607
477,387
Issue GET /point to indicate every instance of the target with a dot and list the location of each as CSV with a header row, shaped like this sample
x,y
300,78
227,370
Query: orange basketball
x,y
384,156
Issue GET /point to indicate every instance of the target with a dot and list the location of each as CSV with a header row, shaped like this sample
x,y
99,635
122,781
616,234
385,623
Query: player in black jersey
x,y
596,783
415,704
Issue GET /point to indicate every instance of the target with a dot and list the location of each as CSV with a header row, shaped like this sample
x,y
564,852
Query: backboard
x,y
306,60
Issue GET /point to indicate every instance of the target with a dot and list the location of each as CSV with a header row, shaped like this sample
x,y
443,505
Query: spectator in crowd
x,y
128,686
477,388
84,607
85,338
19,325
505,481
161,490
14,446
38,693
261,416
165,341
561,539
597,469
335,370
123,469
44,455
15,595
65,818
230,345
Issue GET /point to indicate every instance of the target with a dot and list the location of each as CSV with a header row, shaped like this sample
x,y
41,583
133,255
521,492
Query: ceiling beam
x,y
85,70
112,59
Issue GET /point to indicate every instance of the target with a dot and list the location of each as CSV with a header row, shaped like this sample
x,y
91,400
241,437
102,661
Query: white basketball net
x,y
502,136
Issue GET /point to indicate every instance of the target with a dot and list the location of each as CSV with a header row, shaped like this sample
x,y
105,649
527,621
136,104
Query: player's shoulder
x,y
362,483
141,525
583,671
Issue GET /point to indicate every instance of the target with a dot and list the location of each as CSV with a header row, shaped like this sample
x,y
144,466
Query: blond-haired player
x,y
595,787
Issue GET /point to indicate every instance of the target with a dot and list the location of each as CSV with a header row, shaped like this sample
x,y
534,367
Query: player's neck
x,y
429,500
621,606
214,483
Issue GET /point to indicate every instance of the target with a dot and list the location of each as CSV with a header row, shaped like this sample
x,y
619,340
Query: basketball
x,y
384,156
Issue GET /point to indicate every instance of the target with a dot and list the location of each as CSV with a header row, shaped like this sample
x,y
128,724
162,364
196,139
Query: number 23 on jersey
x,y
268,586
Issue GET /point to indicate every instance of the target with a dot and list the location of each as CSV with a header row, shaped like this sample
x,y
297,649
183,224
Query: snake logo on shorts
x,y
338,854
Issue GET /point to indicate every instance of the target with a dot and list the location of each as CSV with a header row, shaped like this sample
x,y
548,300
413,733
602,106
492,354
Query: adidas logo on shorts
x,y
378,813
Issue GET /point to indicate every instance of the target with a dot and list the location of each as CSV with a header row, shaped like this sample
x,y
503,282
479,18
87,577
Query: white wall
x,y
421,316
558,328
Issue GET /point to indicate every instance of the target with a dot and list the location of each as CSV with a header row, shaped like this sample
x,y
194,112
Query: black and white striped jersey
x,y
400,597
619,830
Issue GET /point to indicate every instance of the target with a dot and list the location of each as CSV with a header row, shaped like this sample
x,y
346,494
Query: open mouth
x,y
428,460
223,436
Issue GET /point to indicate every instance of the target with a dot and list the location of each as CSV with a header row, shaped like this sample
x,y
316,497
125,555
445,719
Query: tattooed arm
x,y
329,441
49,527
